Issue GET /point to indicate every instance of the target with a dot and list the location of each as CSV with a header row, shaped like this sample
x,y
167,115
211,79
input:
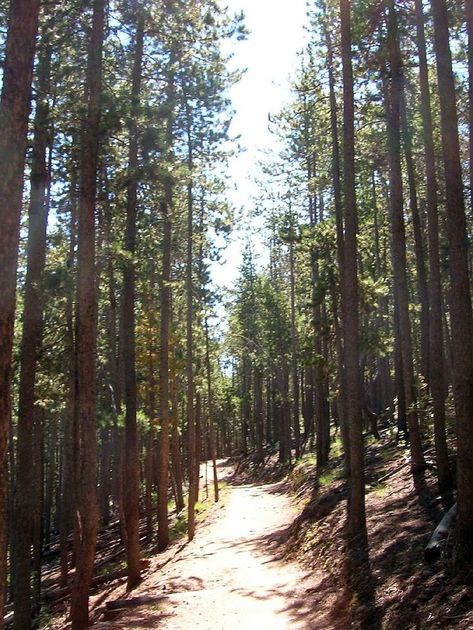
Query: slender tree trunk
x,y
437,359
87,512
191,424
211,414
115,363
469,30
356,497
308,404
37,507
149,468
14,112
50,469
198,442
131,490
393,92
399,379
175,446
460,302
165,299
418,244
245,405
286,412
32,332
163,466
105,457
68,499
337,196
295,375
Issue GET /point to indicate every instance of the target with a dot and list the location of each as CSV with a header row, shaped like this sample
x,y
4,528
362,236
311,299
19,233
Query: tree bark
x,y
175,446
337,197
356,496
191,424
469,30
211,429
460,301
437,358
32,332
68,499
393,104
132,481
14,112
86,340
418,243
165,298
294,368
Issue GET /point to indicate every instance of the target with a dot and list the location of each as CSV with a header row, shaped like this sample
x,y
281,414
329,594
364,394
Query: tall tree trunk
x,y
114,360
211,414
469,30
356,497
165,298
175,446
132,481
294,370
460,301
399,379
437,359
37,507
104,484
393,104
191,424
32,332
198,442
418,244
87,510
68,499
163,466
149,455
337,196
14,112
258,413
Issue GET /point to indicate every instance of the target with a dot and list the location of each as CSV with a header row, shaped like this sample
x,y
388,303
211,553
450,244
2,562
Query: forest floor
x,y
270,555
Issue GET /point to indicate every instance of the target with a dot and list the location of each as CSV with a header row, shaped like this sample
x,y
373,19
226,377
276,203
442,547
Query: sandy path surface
x,y
231,575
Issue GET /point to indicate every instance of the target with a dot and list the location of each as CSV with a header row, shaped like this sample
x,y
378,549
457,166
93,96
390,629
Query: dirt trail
x,y
231,575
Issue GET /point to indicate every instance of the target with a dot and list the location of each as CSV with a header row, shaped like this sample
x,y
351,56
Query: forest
x,y
329,390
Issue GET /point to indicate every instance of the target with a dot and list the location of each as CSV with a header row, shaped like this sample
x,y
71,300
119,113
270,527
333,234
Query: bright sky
x,y
270,56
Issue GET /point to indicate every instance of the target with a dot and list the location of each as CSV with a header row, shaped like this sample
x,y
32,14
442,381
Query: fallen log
x,y
119,604
8,619
439,538
57,593
103,542
391,473
64,591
